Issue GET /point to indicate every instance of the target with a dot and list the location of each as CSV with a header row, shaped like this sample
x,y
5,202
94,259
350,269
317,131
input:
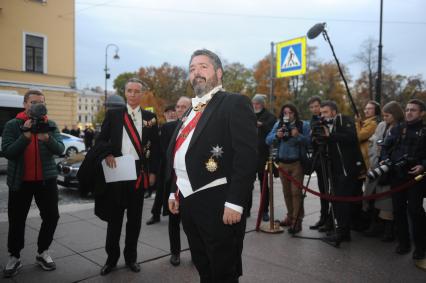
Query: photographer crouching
x,y
291,136
404,155
29,142
345,164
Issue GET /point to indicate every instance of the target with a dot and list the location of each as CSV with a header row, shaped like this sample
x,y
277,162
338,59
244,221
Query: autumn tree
x,y
238,79
367,57
166,82
261,74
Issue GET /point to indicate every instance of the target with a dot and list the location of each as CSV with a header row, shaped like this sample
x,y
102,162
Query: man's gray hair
x,y
217,64
144,86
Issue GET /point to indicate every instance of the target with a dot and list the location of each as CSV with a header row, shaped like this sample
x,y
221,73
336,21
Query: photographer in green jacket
x,y
30,142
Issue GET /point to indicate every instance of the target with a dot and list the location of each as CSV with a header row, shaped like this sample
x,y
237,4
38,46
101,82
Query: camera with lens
x,y
318,130
286,126
398,166
39,124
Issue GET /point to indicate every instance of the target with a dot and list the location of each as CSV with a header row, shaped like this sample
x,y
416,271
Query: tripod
x,y
322,154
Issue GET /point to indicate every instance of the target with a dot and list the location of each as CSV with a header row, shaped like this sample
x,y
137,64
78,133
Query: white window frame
x,y
24,43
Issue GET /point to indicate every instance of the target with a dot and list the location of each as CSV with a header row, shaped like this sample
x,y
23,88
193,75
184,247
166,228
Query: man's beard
x,y
201,89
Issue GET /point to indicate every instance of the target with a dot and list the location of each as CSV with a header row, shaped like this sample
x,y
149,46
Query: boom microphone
x,y
316,30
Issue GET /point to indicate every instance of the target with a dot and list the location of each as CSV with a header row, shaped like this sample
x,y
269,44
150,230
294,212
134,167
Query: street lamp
x,y
108,75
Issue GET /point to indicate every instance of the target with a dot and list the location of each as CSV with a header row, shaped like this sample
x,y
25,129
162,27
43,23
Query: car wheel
x,y
71,151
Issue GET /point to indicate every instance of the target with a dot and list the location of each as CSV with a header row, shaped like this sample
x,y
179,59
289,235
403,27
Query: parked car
x,y
68,169
73,145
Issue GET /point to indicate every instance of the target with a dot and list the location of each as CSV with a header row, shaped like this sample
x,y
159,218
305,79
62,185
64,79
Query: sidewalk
x,y
78,250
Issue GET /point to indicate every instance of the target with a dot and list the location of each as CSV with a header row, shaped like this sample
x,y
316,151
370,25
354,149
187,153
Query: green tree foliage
x,y
238,79
121,80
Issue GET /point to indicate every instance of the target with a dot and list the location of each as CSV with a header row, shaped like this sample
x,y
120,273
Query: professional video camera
x,y
286,126
39,124
398,166
317,126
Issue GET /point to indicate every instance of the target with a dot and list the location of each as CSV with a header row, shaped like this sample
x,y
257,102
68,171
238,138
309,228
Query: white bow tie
x,y
200,101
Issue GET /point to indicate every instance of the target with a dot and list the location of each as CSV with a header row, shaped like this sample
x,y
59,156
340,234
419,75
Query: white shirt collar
x,y
130,109
206,97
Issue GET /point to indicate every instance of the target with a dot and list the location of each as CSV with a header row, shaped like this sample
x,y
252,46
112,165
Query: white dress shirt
x,y
182,179
127,147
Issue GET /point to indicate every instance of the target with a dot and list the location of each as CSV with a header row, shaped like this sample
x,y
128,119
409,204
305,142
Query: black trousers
x,y
46,197
411,200
322,189
123,196
343,186
215,247
174,233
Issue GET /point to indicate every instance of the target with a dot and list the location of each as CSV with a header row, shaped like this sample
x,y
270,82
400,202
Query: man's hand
x,y
280,134
295,132
27,125
173,206
151,179
416,170
231,216
43,137
110,161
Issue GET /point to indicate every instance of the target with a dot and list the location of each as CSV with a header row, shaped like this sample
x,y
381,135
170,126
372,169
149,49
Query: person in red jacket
x,y
29,144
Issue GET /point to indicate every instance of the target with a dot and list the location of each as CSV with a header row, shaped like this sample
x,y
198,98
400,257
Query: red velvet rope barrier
x,y
346,198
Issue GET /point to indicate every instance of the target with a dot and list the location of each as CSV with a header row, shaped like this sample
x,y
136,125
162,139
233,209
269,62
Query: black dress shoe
x,y
337,238
320,222
107,268
134,266
328,226
403,248
419,254
175,259
154,219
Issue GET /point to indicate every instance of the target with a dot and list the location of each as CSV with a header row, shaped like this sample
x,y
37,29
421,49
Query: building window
x,y
34,53
79,107
79,118
85,107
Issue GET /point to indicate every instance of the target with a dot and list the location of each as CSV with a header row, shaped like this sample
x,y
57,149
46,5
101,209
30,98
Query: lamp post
x,y
379,66
108,75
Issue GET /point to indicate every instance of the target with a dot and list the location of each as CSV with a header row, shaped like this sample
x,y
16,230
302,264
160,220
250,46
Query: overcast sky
x,y
153,32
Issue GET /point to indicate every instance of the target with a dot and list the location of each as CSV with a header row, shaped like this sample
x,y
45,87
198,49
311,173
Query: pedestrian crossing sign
x,y
291,57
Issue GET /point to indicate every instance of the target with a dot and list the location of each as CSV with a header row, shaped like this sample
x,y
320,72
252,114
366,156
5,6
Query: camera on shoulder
x,y
318,130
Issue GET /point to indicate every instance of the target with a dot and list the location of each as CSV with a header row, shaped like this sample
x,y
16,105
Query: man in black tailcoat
x,y
129,131
213,157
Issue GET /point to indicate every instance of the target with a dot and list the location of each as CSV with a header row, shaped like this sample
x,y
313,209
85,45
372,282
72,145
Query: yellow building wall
x,y
55,21
61,106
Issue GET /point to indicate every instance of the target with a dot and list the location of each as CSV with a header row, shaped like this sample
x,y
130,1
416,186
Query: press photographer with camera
x,y
29,142
314,103
345,162
291,136
382,221
404,155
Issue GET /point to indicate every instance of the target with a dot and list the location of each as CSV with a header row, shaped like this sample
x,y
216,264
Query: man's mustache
x,y
198,77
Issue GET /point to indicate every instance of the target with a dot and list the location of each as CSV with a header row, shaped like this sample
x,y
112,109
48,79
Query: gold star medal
x,y
211,165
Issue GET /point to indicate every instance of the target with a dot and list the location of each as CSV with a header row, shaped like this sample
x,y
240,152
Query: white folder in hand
x,y
125,170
